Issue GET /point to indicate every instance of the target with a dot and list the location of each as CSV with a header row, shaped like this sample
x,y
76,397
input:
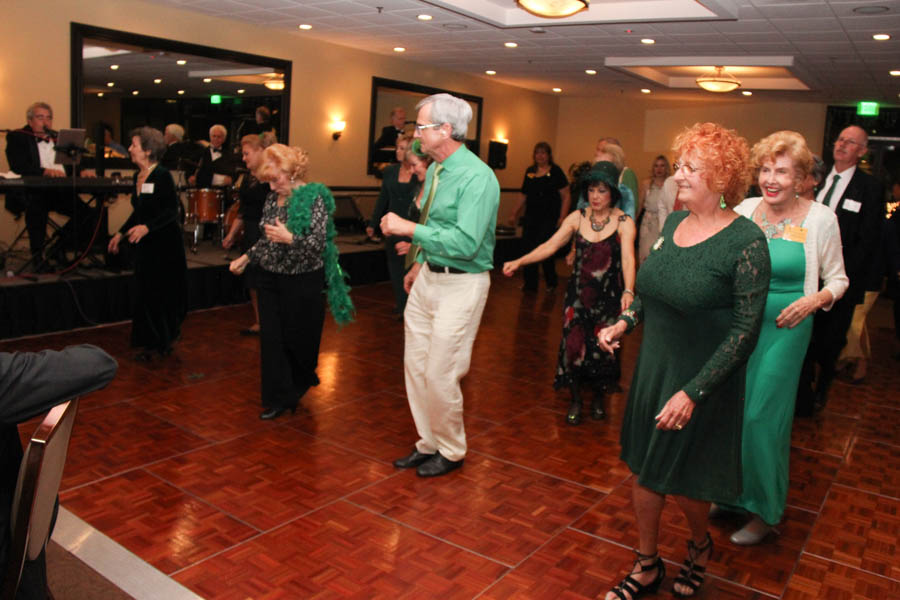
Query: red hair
x,y
725,156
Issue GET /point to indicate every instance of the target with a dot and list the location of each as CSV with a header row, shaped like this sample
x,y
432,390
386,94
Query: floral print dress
x,y
593,301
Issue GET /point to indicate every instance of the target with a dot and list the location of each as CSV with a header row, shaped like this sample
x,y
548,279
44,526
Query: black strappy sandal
x,y
691,575
632,586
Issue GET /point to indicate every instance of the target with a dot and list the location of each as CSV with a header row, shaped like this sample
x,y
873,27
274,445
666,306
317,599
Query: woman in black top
x,y
398,188
545,201
251,195
294,256
160,269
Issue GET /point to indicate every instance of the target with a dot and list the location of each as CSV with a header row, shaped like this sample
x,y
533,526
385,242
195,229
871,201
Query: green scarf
x,y
299,210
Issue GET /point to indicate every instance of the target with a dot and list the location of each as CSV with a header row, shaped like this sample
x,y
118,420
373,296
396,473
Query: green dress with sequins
x,y
701,307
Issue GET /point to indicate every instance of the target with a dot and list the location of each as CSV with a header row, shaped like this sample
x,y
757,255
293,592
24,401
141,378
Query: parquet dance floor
x,y
172,462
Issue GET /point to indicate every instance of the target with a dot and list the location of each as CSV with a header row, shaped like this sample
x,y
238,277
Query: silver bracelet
x,y
627,291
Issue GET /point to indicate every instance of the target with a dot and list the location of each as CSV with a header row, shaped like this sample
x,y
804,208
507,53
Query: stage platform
x,y
93,295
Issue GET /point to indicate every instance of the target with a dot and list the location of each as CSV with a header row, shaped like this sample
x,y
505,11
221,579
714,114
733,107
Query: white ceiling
x,y
828,43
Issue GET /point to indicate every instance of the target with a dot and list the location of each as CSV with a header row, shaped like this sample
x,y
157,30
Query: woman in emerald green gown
x,y
805,248
700,295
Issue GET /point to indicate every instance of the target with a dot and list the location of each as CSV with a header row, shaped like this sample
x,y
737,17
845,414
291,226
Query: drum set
x,y
205,207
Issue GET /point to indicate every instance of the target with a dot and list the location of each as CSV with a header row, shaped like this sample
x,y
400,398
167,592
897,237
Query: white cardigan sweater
x,y
822,248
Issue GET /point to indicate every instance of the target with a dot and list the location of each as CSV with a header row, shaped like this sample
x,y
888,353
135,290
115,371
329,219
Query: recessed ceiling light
x,y
181,62
181,92
99,94
870,10
135,92
207,80
113,67
490,72
424,17
399,49
157,80
590,71
110,84
511,45
648,41
304,26
747,93
557,90
895,73
881,37
241,91
645,90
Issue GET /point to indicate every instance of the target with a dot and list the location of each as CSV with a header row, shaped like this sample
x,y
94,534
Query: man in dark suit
x,y
30,152
858,200
216,160
31,384
388,137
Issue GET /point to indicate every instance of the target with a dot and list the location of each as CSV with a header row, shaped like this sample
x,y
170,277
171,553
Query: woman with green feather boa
x,y
298,264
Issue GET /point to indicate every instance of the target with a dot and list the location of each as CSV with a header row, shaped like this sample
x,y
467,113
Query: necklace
x,y
598,227
773,230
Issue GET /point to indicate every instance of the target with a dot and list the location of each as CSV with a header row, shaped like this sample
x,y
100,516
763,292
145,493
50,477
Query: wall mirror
x,y
388,94
127,80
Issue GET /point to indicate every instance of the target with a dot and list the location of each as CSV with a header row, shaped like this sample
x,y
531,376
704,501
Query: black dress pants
x,y
829,337
291,315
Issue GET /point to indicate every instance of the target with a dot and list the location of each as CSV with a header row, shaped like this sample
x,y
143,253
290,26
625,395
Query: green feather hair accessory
x,y
299,210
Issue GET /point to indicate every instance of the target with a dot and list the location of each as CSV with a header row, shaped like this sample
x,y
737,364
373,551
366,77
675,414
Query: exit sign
x,y
215,99
867,109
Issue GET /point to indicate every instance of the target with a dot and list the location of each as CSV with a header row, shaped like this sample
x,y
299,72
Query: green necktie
x,y
414,250
830,191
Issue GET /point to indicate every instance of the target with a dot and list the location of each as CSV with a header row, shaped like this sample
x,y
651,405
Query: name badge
x,y
852,205
795,233
147,188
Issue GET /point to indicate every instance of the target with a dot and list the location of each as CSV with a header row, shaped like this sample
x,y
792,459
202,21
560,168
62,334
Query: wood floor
x,y
172,462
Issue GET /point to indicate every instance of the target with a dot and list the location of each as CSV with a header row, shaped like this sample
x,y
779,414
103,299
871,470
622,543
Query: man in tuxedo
x,y
30,152
31,384
388,138
858,200
216,160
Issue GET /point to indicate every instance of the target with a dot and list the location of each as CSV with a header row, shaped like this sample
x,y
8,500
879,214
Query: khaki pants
x,y
442,316
858,337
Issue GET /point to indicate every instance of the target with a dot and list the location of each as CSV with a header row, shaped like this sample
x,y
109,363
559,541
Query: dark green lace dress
x,y
702,308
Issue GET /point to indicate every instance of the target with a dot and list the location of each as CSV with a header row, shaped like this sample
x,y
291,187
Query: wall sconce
x,y
337,128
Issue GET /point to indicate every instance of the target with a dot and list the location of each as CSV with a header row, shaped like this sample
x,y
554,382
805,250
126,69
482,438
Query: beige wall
x,y
647,128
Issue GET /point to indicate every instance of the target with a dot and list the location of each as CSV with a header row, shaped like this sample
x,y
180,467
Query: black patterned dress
x,y
593,301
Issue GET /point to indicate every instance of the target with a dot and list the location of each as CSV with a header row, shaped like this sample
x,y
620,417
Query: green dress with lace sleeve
x,y
701,308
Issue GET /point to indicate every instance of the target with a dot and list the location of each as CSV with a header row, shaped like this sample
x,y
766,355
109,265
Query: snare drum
x,y
205,205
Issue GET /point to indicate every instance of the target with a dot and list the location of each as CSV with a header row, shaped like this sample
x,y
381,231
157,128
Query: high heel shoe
x,y
754,532
691,574
274,413
573,417
635,589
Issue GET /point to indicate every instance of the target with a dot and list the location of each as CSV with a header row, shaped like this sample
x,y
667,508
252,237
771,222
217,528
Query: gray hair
x,y
218,127
176,131
151,140
819,170
29,112
449,109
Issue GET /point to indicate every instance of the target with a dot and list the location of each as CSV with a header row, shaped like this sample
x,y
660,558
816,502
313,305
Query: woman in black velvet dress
x,y
160,269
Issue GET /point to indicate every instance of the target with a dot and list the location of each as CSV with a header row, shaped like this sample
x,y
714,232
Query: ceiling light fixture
x,y
181,92
114,67
511,44
645,90
181,62
553,9
557,90
157,80
895,73
424,17
241,91
590,71
110,84
490,72
718,81
99,94
135,92
207,80
304,26
399,49
881,37
275,84
648,41
747,93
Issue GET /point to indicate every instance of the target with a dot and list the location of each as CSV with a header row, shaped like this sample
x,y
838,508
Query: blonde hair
x,y
725,156
784,143
616,154
292,160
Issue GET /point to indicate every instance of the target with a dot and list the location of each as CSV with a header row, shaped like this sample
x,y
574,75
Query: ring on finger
x,y
679,426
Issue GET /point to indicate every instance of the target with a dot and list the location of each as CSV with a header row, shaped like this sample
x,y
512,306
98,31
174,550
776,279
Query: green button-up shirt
x,y
460,231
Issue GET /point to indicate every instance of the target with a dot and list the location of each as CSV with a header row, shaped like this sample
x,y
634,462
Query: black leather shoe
x,y
274,413
413,460
437,466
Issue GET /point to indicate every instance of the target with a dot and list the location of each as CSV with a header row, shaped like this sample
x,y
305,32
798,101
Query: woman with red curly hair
x,y
700,295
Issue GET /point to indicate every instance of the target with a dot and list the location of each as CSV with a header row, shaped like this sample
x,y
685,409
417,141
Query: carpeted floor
x,y
70,579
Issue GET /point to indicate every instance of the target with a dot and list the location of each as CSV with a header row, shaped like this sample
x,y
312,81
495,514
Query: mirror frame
x,y
379,83
80,31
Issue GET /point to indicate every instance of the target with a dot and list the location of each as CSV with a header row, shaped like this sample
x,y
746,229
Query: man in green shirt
x,y
453,245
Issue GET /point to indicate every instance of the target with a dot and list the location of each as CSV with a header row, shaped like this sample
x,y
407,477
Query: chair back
x,y
34,501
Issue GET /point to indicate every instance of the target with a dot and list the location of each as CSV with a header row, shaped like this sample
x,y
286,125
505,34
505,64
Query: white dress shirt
x,y
839,189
